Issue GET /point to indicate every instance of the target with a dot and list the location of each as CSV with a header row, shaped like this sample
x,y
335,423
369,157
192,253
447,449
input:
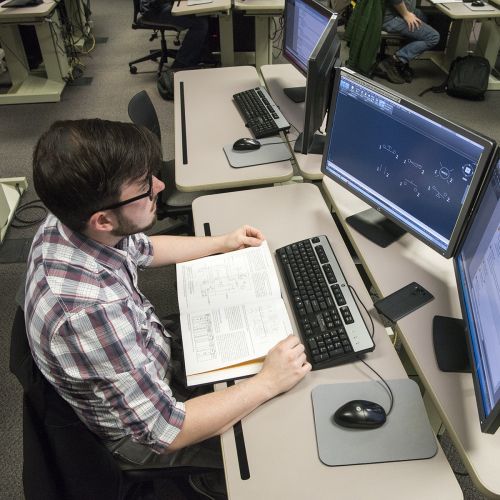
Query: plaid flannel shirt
x,y
97,339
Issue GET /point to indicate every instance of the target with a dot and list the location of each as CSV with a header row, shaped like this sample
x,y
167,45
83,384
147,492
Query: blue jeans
x,y
194,41
422,39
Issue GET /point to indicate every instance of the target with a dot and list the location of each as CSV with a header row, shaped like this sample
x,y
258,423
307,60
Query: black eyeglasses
x,y
148,193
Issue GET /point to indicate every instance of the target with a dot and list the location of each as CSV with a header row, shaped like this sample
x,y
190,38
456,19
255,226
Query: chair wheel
x,y
133,70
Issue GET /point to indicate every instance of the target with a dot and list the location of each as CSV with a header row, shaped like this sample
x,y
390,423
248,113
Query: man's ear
x,y
101,222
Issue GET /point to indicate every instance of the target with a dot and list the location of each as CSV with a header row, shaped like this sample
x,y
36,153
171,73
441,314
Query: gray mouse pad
x,y
272,149
406,435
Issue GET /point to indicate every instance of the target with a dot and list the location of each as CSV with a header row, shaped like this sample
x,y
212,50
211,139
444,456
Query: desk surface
x,y
212,121
181,7
278,77
452,393
260,6
11,14
279,436
457,10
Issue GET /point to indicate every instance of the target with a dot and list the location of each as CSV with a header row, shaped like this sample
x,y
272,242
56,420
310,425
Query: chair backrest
x,y
142,112
137,10
62,459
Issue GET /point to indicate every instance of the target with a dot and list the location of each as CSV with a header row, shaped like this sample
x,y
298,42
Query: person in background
x,y
402,17
193,45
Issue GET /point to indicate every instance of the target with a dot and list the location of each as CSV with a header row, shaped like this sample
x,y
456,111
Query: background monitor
x,y
477,269
304,23
320,75
415,168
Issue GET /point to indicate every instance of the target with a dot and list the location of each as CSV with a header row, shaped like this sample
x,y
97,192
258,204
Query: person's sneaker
x,y
211,485
165,84
405,71
388,68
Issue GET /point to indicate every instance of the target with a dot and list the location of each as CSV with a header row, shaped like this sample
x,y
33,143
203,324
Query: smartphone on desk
x,y
404,301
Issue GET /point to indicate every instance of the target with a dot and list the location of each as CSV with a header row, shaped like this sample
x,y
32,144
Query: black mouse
x,y
360,414
246,144
477,3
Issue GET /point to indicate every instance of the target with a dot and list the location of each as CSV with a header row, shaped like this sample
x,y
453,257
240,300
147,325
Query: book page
x,y
222,337
241,276
232,310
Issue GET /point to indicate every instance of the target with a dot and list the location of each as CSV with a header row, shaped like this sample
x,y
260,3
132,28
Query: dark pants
x,y
190,52
206,454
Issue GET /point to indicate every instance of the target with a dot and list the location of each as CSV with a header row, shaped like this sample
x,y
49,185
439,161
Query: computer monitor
x,y
304,23
419,171
477,270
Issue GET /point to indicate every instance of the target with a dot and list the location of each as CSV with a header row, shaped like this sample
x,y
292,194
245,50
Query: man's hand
x,y
284,366
412,21
245,236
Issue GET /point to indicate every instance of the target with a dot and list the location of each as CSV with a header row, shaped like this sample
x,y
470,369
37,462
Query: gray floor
x,y
107,97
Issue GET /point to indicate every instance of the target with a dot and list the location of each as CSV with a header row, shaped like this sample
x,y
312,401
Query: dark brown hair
x,y
81,165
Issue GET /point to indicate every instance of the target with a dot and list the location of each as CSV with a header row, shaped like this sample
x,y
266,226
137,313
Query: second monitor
x,y
311,44
415,168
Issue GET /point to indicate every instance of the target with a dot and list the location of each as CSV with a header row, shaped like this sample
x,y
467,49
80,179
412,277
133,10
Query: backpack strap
x,y
438,89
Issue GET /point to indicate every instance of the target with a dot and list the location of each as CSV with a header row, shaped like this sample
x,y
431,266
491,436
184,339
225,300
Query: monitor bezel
x,y
489,424
321,9
318,60
477,180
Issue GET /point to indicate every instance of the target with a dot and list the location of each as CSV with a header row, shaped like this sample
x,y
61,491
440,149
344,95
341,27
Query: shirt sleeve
x,y
118,375
141,249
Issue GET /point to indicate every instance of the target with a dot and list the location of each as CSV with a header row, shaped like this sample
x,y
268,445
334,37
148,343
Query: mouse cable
x,y
382,379
372,334
296,129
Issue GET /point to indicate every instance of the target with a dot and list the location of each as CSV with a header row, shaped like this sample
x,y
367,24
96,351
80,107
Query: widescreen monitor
x,y
419,171
304,23
477,269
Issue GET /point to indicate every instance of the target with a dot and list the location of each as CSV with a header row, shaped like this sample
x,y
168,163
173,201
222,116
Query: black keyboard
x,y
329,320
260,113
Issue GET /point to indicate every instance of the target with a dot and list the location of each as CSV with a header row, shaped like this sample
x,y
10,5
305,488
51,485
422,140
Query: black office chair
x,y
387,40
163,53
172,202
63,459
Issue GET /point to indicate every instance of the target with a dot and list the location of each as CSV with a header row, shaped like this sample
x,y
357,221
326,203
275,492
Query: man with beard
x,y
94,335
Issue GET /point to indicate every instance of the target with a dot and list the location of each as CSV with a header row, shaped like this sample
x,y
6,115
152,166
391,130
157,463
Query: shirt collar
x,y
112,257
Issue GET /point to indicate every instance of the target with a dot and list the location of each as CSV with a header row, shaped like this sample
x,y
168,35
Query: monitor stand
x,y
296,94
450,345
376,227
316,147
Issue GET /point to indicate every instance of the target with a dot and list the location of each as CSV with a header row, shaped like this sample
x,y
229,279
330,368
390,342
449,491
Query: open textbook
x,y
231,313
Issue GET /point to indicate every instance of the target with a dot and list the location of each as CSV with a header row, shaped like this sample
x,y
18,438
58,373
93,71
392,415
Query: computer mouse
x,y
360,414
477,3
246,144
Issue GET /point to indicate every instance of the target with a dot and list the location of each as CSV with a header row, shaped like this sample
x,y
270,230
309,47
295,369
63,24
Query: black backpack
x,y
467,78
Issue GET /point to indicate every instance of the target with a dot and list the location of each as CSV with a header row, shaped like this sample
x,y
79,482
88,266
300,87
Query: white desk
x,y
279,436
211,121
29,86
262,10
278,77
488,43
390,268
